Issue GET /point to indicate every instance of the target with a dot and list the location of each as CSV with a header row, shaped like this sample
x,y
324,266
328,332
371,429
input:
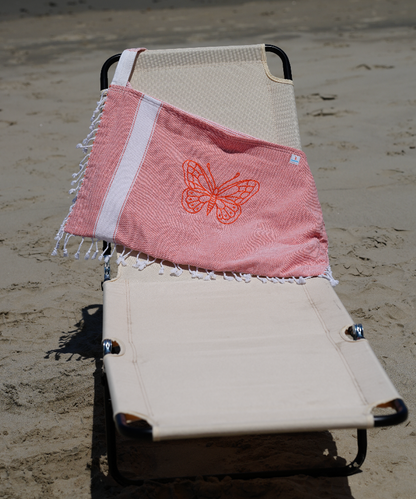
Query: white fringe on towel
x,y
142,264
211,275
79,176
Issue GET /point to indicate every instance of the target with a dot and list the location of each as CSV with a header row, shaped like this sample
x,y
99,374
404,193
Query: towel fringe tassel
x,y
79,176
177,272
141,264
328,275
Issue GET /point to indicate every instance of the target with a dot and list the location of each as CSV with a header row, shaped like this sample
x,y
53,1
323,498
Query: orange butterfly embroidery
x,y
202,189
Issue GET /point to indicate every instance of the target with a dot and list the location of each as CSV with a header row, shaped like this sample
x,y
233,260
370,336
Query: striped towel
x,y
181,188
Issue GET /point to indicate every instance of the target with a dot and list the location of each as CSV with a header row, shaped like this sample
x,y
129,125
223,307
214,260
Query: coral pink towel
x,y
181,188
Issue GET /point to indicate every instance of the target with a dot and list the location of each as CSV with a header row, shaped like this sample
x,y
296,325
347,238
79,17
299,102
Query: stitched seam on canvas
x,y
344,360
198,64
135,359
267,72
273,105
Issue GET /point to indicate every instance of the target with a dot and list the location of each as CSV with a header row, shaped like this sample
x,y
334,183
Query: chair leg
x,y
111,435
362,450
343,471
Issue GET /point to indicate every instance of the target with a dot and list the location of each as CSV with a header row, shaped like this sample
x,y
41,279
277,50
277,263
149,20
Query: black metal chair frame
x,y
120,425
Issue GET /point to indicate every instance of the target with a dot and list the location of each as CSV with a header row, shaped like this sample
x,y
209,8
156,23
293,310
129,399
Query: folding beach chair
x,y
262,345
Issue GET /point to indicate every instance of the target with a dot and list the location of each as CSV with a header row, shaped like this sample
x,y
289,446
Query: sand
x,y
354,70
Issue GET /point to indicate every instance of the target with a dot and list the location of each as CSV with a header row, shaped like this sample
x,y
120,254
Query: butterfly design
x,y
227,197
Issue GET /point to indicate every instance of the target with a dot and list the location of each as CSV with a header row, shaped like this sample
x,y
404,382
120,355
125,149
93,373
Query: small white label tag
x,y
294,160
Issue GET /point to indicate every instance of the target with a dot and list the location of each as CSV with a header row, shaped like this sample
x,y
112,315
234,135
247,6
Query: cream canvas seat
x,y
212,358
192,356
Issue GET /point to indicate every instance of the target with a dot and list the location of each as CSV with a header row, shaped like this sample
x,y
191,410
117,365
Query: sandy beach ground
x,y
354,68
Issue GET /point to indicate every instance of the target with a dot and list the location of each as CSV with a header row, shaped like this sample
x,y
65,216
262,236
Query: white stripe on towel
x,y
128,169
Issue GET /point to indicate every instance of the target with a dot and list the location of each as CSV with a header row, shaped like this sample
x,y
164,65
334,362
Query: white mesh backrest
x,y
229,85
